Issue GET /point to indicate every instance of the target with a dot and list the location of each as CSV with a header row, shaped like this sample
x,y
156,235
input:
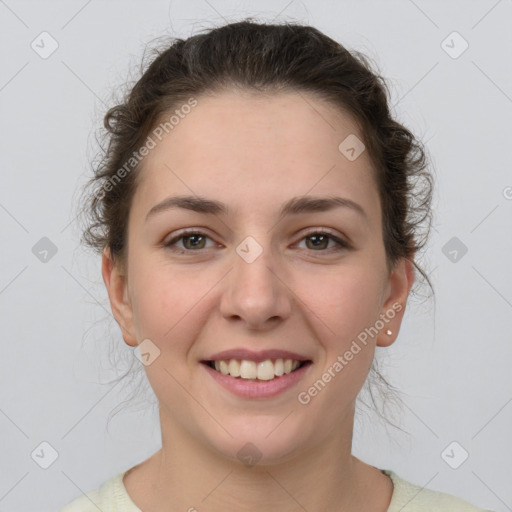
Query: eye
x,y
320,241
192,240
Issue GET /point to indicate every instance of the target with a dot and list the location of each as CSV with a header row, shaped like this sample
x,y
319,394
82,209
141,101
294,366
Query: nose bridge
x,y
255,293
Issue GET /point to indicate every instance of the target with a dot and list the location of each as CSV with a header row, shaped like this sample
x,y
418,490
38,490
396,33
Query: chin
x,y
262,441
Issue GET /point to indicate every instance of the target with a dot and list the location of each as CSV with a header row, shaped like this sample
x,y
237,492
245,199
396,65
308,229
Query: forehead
x,y
254,145
280,126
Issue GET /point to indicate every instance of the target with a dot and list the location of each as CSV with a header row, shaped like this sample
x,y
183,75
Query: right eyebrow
x,y
194,203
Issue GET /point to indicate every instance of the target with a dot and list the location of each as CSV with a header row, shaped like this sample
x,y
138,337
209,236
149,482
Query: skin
x,y
254,152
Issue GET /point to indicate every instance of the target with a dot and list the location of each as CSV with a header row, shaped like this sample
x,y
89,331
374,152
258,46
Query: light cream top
x,y
407,497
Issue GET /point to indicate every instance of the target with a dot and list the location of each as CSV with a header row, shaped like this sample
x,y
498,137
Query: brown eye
x,y
319,241
191,241
196,241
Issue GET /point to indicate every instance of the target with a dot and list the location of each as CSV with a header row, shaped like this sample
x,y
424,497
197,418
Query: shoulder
x,y
111,497
408,497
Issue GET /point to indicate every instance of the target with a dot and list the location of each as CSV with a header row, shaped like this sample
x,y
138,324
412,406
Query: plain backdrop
x,y
452,359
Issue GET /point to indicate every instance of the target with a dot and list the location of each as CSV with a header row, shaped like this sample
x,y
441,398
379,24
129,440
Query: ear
x,y
400,282
116,284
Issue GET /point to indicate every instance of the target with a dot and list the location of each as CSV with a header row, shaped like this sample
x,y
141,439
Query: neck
x,y
326,476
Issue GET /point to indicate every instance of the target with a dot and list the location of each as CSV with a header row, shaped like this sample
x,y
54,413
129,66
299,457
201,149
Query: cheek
x,y
345,301
344,308
168,307
159,300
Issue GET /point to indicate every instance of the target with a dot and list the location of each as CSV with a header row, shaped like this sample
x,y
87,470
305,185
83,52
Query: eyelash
x,y
342,245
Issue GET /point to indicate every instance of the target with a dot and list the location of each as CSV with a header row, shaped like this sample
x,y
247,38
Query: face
x,y
245,284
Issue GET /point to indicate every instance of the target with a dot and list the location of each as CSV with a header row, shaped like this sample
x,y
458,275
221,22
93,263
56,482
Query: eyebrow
x,y
294,206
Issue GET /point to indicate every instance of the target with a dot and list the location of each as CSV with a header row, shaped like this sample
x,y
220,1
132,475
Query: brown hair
x,y
265,58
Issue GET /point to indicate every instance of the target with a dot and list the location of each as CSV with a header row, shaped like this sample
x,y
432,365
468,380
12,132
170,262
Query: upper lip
x,y
256,356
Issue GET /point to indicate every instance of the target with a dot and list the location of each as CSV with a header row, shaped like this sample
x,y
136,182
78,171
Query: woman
x,y
258,212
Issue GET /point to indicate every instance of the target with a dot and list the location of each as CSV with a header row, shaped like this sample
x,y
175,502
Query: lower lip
x,y
253,388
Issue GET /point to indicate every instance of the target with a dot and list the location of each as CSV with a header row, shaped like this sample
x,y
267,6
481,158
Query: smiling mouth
x,y
250,370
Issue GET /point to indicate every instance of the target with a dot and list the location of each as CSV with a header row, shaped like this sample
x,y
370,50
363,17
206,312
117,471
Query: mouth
x,y
248,370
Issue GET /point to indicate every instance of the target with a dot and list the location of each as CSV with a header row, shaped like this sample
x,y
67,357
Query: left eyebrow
x,y
294,206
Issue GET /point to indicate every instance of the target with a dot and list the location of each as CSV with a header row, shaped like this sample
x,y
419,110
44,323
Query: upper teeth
x,y
265,370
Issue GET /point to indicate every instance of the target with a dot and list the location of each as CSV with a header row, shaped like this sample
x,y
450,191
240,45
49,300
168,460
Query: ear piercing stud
x,y
389,333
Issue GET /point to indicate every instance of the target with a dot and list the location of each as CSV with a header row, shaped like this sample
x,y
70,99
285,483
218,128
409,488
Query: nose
x,y
256,293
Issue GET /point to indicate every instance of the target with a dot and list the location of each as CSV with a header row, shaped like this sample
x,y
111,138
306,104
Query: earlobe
x,y
116,284
400,282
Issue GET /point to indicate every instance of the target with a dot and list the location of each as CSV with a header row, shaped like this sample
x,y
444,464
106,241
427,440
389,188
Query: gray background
x,y
452,358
